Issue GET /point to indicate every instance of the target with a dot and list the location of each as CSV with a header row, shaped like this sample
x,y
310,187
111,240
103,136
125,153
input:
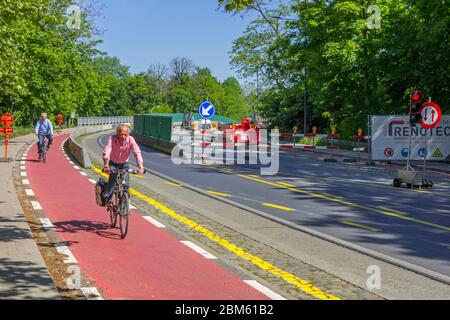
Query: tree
x,y
180,68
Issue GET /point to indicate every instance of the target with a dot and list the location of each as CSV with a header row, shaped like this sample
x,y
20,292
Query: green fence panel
x,y
155,126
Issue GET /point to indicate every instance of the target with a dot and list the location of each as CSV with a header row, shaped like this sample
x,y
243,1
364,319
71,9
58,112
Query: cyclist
x,y
116,155
44,129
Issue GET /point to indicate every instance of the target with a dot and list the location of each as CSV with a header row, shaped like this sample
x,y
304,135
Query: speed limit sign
x,y
431,115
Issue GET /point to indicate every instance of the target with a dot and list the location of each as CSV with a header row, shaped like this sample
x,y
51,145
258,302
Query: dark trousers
x,y
41,144
109,189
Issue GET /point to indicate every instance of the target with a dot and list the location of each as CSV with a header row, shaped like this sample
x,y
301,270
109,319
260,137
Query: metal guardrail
x,y
99,121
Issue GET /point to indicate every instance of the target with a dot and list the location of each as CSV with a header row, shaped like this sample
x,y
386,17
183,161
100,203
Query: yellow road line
x,y
286,184
332,196
321,196
301,284
392,210
277,207
354,224
220,194
172,184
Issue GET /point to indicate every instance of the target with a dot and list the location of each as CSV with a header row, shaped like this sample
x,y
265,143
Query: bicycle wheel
x,y
44,153
113,211
124,214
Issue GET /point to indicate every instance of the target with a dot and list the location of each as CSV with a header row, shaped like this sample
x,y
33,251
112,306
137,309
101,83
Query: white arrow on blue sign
x,y
207,110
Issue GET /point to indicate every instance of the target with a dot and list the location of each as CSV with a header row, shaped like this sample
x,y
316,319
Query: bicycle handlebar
x,y
129,171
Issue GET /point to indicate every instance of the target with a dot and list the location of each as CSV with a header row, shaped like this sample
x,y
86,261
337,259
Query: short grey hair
x,y
121,126
43,114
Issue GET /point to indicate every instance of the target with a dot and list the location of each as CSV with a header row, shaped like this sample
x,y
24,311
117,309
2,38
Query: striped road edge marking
x,y
264,290
172,184
84,174
29,192
347,203
361,226
199,250
64,250
287,184
225,195
132,207
77,168
23,174
154,222
36,205
46,223
25,182
91,293
92,181
299,283
270,205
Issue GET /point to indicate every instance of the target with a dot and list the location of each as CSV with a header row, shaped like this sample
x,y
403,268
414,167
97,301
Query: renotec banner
x,y
390,139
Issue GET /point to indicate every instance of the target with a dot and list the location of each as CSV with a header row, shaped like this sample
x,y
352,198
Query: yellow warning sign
x,y
438,154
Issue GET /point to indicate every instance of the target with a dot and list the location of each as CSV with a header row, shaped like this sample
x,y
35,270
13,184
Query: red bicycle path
x,y
149,264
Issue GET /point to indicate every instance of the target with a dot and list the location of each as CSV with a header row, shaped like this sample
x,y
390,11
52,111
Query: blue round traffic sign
x,y
207,110
423,153
405,152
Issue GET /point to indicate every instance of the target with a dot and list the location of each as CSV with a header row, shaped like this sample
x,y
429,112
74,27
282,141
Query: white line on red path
x,y
64,250
154,222
91,293
264,290
199,250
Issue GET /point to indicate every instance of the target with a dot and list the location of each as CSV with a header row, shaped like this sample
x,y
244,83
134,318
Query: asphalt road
x,y
351,202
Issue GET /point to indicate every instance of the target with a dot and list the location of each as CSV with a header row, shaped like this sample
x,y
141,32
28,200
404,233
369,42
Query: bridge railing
x,y
100,121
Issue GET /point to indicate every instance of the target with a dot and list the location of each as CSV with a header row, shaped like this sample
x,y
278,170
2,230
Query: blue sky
x,y
142,32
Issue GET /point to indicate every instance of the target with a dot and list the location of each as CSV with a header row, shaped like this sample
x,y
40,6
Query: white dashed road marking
x,y
46,223
36,205
66,251
264,290
199,250
91,293
154,222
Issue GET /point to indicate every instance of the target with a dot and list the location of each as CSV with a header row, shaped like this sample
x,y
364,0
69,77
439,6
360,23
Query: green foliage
x,y
46,66
353,71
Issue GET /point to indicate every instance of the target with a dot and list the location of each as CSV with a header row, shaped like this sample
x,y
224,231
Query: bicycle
x,y
119,205
42,153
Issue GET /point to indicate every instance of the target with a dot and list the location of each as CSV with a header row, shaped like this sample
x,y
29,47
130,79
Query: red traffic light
x,y
417,96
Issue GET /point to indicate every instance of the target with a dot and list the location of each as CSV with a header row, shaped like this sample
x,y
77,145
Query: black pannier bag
x,y
99,188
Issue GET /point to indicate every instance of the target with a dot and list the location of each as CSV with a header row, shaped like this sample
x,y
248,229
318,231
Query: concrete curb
x,y
80,153
374,254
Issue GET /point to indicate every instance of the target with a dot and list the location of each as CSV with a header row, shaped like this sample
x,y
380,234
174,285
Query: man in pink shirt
x,y
116,155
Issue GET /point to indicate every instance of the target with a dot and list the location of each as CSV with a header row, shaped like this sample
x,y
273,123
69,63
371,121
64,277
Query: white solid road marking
x,y
91,293
264,290
199,250
66,251
36,205
46,223
25,181
29,192
154,222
